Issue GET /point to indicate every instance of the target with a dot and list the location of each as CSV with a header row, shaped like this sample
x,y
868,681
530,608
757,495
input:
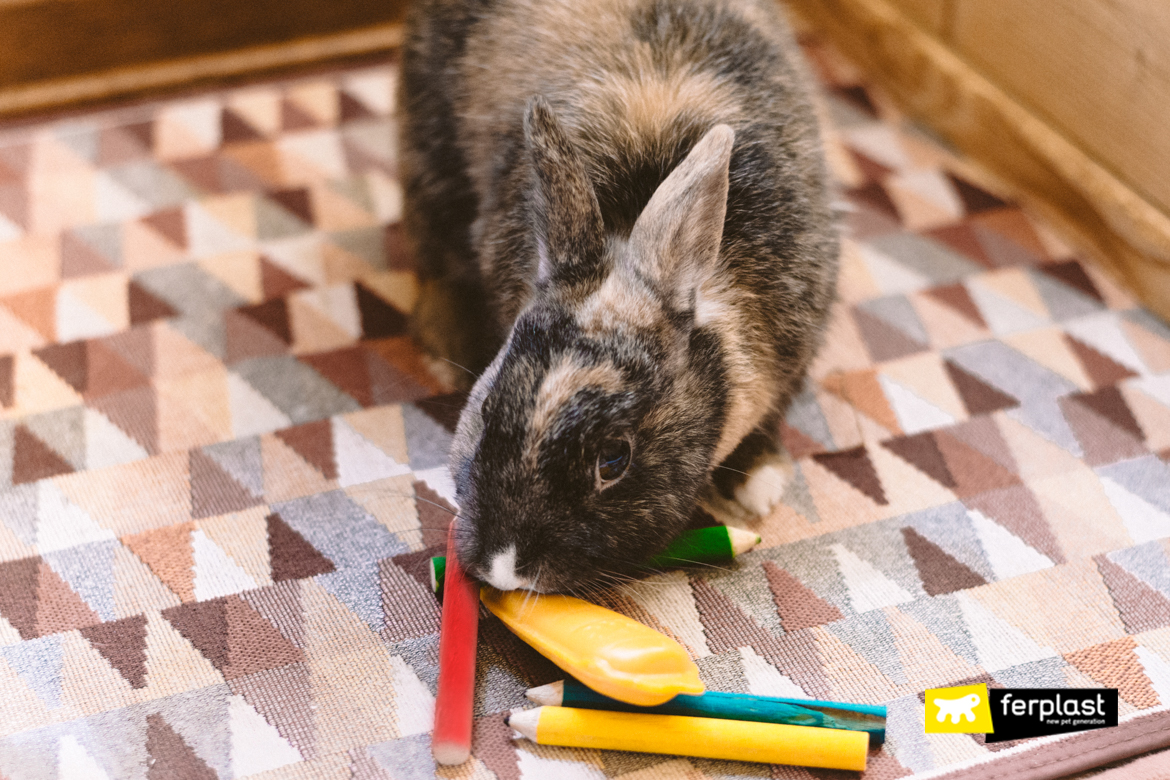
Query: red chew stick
x,y
451,742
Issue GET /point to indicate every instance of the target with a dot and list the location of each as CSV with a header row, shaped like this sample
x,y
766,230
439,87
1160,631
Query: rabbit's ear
x,y
675,241
568,219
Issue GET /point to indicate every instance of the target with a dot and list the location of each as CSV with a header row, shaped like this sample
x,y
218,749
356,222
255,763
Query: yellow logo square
x,y
963,709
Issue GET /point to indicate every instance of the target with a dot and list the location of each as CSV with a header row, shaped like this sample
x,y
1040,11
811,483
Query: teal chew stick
x,y
717,544
729,706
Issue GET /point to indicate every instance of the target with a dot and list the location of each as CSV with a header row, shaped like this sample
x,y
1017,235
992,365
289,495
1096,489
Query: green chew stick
x,y
717,544
438,573
729,706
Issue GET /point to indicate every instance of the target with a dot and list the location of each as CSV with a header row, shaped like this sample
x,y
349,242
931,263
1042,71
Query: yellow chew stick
x,y
610,653
736,740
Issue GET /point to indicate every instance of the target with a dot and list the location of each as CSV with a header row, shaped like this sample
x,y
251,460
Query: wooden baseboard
x,y
63,53
1113,223
154,77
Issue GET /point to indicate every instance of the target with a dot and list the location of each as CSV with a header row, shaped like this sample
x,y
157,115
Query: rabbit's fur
x,y
534,134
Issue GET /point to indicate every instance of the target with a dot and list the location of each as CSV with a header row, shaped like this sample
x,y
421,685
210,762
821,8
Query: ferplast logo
x,y
963,709
1016,713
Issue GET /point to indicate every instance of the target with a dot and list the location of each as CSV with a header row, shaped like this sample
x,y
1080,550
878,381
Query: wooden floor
x,y
1032,121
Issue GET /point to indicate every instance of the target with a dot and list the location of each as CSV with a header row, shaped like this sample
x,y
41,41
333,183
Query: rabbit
x,y
621,214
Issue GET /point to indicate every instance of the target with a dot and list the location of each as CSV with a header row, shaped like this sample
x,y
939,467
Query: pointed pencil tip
x,y
524,722
552,694
742,540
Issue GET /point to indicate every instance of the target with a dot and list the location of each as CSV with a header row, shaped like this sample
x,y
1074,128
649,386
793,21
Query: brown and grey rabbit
x,y
622,217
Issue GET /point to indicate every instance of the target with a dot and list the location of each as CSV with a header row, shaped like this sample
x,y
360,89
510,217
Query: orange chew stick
x,y
451,742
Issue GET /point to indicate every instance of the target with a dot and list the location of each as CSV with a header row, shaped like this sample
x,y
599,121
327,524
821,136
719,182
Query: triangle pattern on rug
x,y
284,697
58,608
868,587
1102,331
38,663
214,491
1144,521
998,644
1007,554
170,756
856,469
167,552
873,196
108,372
434,514
921,451
1116,665
1141,607
1110,404
798,606
18,597
1104,426
379,319
133,411
1016,509
234,128
1071,273
1102,369
978,396
171,224
80,259
314,443
939,571
215,573
407,610
955,297
296,202
281,605
144,306
276,282
914,413
347,369
33,460
884,341
242,460
358,459
255,745
272,316
292,556
89,571
293,117
397,375
972,471
795,655
245,337
254,644
975,199
123,644
204,625
68,361
74,761
7,381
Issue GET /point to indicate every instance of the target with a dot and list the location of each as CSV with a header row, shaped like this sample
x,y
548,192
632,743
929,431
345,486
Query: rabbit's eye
x,y
612,460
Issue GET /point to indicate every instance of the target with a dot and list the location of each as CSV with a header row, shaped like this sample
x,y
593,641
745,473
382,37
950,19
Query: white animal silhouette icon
x,y
964,706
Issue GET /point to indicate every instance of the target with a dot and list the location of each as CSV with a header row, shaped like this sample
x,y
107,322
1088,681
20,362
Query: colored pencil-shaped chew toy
x,y
729,706
451,741
438,573
736,740
607,651
716,544
704,545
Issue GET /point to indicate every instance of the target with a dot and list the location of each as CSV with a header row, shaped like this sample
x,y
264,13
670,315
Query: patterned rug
x,y
222,462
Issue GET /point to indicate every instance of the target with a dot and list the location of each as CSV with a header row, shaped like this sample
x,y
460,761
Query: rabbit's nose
x,y
502,571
